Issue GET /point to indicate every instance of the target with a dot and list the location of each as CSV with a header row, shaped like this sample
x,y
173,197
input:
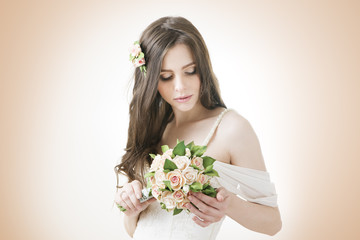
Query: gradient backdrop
x,y
292,68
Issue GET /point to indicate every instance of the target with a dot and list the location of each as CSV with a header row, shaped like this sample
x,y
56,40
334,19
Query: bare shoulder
x,y
242,142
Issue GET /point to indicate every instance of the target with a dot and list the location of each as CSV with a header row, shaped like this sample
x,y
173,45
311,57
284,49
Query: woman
x,y
176,96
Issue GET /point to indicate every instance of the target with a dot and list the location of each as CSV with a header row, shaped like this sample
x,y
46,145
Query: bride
x,y
176,96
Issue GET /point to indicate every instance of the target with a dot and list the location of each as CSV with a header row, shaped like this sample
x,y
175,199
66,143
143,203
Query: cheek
x,y
198,84
165,90
161,89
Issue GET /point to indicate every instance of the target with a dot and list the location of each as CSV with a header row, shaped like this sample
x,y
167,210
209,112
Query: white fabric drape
x,y
250,184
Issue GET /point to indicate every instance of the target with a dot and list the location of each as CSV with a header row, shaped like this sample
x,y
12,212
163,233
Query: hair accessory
x,y
137,57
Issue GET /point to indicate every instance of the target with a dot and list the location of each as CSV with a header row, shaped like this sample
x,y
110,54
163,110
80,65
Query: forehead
x,y
177,57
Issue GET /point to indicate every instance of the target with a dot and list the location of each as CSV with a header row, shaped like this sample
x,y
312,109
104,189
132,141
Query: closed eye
x,y
166,78
191,71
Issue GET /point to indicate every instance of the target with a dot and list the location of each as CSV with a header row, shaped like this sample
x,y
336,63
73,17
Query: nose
x,y
179,84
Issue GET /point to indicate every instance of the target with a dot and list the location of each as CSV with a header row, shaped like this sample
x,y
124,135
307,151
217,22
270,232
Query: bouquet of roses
x,y
176,172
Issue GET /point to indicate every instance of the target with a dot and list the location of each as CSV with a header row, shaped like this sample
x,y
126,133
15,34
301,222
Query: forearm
x,y
256,217
130,223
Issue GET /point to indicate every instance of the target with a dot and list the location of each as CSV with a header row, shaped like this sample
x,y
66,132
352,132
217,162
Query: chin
x,y
184,107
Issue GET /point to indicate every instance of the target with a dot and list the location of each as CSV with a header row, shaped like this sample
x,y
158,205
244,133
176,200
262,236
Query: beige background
x,y
292,68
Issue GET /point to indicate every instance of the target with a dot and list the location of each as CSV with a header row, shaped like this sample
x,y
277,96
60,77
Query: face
x,y
179,83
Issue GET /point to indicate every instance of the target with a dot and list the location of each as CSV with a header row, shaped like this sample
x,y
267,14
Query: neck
x,y
197,113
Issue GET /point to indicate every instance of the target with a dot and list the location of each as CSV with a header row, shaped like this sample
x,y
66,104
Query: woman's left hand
x,y
209,209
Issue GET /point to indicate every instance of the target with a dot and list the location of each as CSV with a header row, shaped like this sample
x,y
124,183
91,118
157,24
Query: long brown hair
x,y
149,114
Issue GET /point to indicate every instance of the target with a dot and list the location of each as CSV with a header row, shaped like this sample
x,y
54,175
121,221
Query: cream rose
x,y
181,162
186,189
179,195
158,163
168,199
152,180
160,176
176,179
202,178
181,205
187,152
167,155
198,162
190,175
135,50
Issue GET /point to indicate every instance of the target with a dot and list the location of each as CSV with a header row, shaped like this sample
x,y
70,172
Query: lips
x,y
183,98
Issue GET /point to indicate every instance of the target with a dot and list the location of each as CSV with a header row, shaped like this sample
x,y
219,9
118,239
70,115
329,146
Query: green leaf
x,y
179,149
167,183
190,145
169,165
206,185
177,141
164,148
196,187
193,166
148,184
207,161
208,169
198,151
209,192
149,174
212,173
166,171
122,209
163,206
177,211
152,155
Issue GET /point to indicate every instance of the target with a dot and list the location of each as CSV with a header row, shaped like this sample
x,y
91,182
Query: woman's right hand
x,y
128,197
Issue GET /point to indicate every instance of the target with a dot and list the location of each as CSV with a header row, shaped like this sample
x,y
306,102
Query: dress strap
x,y
216,124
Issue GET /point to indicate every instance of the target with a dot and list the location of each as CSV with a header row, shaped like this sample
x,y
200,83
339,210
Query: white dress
x,y
249,184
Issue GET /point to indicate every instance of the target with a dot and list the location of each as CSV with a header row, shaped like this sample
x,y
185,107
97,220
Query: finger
x,y
206,199
203,207
136,185
200,222
205,212
133,198
148,202
222,194
126,199
197,212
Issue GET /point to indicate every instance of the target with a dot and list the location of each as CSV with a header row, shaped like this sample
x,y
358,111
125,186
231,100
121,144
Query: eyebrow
x,y
187,65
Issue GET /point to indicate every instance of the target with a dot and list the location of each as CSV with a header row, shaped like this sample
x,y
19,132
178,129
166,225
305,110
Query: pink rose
x,y
190,175
155,190
181,162
198,162
139,62
176,179
178,195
